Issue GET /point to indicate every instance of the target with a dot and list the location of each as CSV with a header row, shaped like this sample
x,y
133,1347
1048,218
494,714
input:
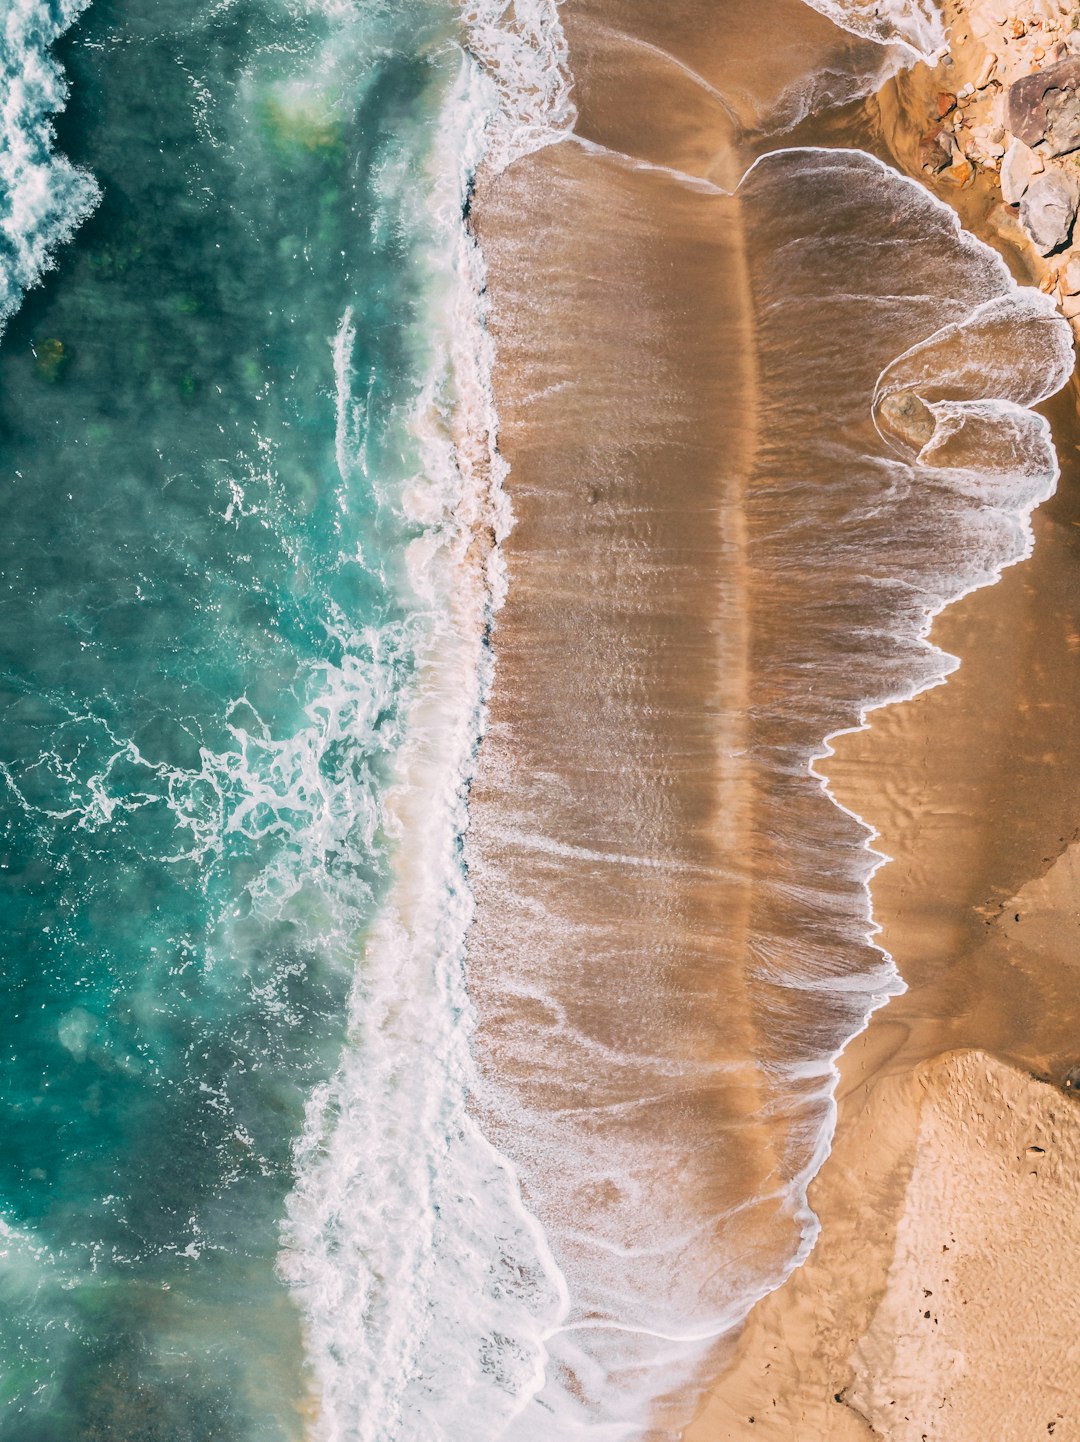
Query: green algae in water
x,y
202,650
304,122
51,359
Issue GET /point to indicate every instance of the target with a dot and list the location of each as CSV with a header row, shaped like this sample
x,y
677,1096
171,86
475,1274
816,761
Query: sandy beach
x,y
940,1301
623,815
946,1097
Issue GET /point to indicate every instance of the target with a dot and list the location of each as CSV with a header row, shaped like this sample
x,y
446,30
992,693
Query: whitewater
x,y
435,1303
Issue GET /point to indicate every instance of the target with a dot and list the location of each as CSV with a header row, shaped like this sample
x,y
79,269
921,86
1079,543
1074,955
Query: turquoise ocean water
x,y
207,626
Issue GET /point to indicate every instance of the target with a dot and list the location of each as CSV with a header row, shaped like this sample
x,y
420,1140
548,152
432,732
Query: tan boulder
x,y
1048,209
1069,280
1018,168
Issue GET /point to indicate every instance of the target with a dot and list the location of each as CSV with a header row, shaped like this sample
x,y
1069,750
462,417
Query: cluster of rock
x,y
1018,115
1043,117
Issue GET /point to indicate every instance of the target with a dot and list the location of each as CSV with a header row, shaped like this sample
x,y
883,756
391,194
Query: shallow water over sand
x,y
728,546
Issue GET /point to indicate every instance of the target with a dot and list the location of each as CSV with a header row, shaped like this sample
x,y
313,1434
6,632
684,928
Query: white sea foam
x,y
428,1288
43,197
917,26
521,46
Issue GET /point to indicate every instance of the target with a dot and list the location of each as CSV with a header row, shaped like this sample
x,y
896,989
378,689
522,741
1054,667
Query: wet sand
x,y
606,902
935,1199
641,772
974,787
623,820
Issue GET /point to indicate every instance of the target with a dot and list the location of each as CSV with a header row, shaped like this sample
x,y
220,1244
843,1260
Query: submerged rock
x,y
1018,169
51,359
1048,210
1044,108
907,418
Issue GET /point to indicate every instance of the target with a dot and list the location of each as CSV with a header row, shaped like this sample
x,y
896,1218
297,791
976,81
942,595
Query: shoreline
x,y
838,1348
805,1344
880,1052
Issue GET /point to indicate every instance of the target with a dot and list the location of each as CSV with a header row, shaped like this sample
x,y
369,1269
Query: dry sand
x,y
940,1301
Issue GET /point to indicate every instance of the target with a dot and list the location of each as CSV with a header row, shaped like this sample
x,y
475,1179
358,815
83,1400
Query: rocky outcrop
x,y
1044,109
1005,102
1048,210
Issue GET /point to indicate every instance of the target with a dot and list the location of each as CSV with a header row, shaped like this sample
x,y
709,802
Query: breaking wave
x,y
43,197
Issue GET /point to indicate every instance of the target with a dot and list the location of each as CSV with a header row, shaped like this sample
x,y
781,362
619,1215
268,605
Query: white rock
x,y
987,142
985,74
1018,169
1048,209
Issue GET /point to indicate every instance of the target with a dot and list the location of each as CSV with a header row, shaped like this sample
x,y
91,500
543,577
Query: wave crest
x,y
44,197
